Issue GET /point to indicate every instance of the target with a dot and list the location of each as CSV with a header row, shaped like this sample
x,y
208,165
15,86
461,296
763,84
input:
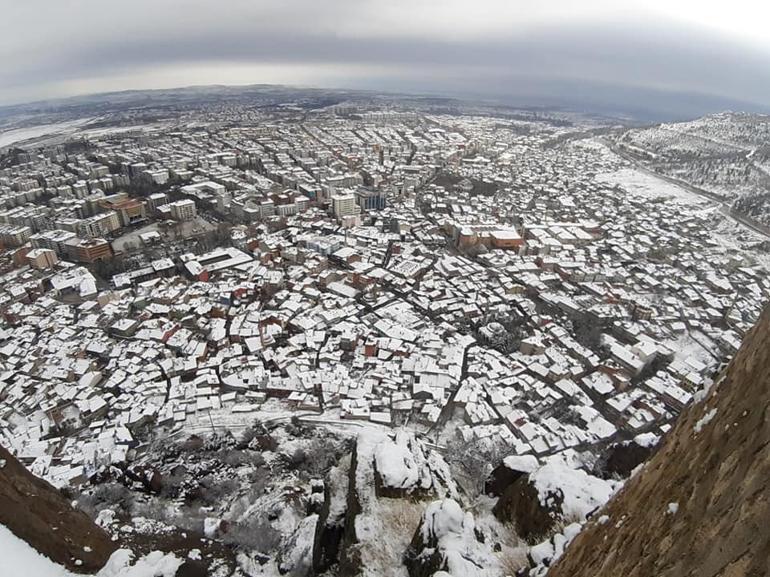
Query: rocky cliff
x,y
701,505
36,512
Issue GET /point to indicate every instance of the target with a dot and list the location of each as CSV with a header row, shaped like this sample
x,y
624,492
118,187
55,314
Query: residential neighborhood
x,y
465,276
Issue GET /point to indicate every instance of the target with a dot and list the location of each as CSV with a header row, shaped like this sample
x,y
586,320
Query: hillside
x,y
700,506
35,511
725,155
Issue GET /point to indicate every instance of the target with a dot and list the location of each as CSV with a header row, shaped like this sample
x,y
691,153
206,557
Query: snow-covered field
x,y
642,184
686,346
106,131
21,134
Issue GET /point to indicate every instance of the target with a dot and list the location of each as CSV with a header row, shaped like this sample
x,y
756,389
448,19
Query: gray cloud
x,y
54,48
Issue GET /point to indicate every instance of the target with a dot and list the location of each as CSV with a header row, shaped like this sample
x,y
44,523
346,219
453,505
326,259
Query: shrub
x,y
213,490
254,534
108,496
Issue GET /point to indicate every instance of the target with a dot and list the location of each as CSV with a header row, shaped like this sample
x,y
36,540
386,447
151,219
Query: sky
x,y
676,54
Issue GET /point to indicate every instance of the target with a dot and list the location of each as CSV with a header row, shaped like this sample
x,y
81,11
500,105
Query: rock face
x,y
520,506
37,513
507,473
700,506
372,503
331,520
556,490
623,458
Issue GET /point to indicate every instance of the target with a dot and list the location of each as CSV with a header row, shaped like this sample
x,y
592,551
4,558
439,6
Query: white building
x,y
344,205
183,209
98,225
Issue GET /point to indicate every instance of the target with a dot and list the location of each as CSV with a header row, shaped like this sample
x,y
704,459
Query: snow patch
x,y
442,518
644,185
211,526
19,559
396,465
523,463
647,440
542,552
704,420
582,492
105,518
155,564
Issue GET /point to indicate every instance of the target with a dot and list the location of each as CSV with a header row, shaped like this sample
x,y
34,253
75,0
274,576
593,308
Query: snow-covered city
x,y
282,328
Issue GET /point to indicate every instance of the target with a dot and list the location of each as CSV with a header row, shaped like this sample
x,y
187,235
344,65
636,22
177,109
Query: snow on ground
x,y
733,235
19,559
523,463
727,231
155,564
648,440
705,420
642,184
686,347
21,134
109,130
242,417
396,464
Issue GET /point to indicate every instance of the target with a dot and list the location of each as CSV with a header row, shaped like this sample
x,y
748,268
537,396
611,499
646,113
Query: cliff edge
x,y
35,511
700,506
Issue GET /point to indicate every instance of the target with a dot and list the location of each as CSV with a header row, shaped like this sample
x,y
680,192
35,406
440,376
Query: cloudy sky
x,y
664,53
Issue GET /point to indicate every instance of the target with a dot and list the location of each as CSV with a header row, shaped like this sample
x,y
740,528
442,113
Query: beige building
x,y
89,250
42,258
130,210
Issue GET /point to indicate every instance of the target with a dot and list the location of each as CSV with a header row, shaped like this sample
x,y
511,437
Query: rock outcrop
x,y
36,512
700,506
520,506
556,491
372,503
508,472
330,527
623,458
447,540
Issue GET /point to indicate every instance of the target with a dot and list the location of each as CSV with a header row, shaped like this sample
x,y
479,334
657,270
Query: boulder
x,y
447,541
520,505
508,472
192,568
404,468
557,490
